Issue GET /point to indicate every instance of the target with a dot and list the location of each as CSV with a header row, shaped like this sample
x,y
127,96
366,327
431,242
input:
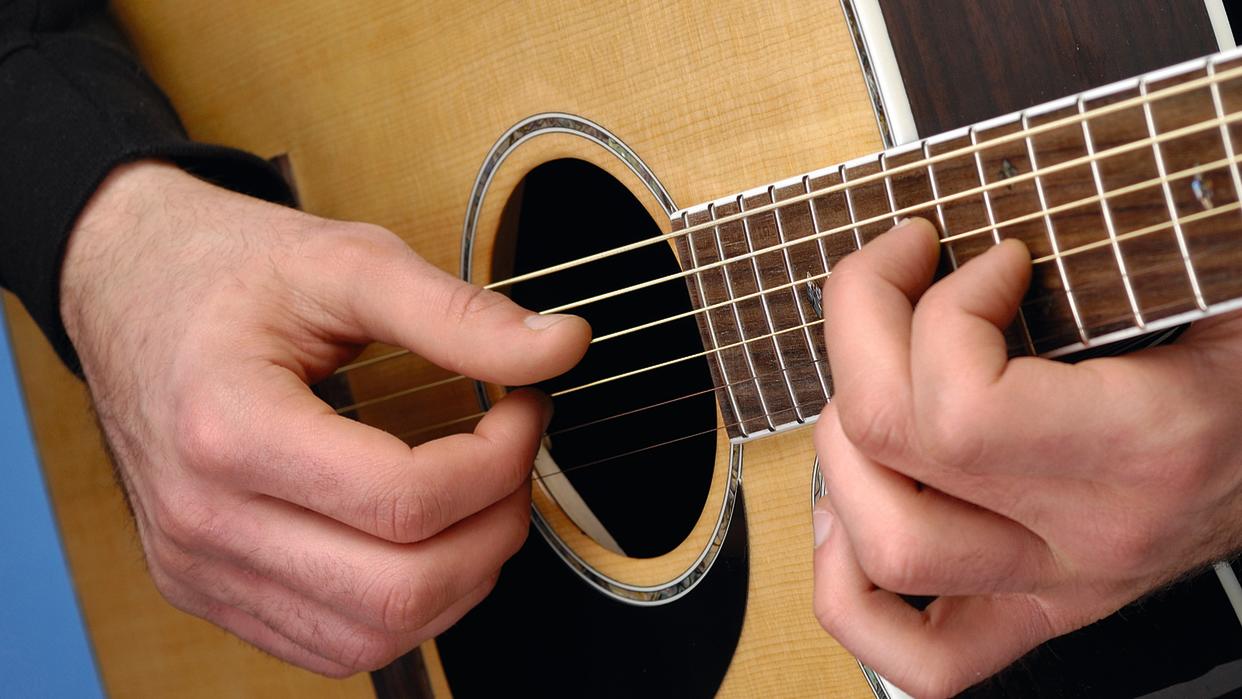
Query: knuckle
x,y
895,561
364,650
404,601
830,612
872,422
467,302
202,441
947,433
410,514
190,523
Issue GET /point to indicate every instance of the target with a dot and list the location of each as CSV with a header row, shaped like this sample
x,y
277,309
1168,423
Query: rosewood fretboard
x,y
1125,195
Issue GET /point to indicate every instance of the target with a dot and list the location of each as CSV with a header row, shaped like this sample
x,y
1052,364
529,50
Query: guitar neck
x,y
1126,196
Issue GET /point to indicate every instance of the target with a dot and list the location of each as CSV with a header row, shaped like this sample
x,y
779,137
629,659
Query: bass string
x,y
989,229
591,423
796,407
1120,237
1147,98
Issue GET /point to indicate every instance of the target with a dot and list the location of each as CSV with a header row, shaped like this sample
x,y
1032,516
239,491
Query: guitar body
x,y
389,114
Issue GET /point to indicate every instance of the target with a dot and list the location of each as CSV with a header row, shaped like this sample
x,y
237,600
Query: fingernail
x,y
821,520
902,222
542,322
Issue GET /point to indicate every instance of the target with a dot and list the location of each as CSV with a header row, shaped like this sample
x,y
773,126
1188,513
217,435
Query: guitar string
x,y
1077,118
633,411
1034,173
814,237
724,426
1137,233
1129,189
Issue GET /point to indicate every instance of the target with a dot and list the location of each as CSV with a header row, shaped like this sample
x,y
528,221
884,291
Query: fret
x,y
796,297
708,328
952,177
1168,199
1225,137
749,347
1019,327
832,212
777,340
935,189
1106,212
869,199
888,190
1091,269
849,207
816,229
1207,239
1052,236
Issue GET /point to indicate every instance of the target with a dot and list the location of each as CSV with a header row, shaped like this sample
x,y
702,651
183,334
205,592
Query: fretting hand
x,y
1032,496
200,316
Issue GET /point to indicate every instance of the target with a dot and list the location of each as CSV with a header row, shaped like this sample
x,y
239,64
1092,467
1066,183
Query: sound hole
x,y
639,450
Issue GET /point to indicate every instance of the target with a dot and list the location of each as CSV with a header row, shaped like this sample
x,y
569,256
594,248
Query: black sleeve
x,y
73,105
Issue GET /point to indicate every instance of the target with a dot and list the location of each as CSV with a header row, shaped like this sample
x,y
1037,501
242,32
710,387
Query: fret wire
x,y
1226,137
849,207
1108,109
1108,217
815,228
1182,247
763,302
935,189
797,298
1052,235
888,190
996,237
711,327
737,318
1146,230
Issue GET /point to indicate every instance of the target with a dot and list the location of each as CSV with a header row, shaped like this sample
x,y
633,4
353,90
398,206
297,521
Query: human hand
x,y
1031,496
200,317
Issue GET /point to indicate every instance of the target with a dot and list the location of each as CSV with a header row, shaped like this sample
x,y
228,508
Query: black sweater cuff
x,y
72,108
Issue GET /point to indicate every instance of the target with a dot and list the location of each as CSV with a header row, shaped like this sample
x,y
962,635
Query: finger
x,y
952,644
868,304
291,448
394,587
380,290
958,324
919,541
977,410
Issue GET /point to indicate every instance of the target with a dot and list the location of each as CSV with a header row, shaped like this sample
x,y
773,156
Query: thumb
x,y
372,286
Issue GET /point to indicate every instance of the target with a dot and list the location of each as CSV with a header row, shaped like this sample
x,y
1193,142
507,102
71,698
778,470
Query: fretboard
x,y
1126,196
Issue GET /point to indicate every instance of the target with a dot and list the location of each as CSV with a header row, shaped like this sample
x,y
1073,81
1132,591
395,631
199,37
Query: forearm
x,y
74,104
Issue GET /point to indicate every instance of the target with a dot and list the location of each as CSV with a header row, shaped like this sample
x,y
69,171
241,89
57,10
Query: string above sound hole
x,y
649,439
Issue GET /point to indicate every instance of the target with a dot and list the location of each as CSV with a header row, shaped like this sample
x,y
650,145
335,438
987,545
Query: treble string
x,y
1148,230
854,225
1023,134
987,229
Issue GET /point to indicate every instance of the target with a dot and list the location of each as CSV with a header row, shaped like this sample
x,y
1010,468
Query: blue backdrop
x,y
43,646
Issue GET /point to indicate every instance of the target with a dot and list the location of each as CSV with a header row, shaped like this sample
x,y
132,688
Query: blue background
x,y
43,646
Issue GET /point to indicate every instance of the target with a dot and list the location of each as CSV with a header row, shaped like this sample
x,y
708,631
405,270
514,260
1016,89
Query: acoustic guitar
x,y
685,176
